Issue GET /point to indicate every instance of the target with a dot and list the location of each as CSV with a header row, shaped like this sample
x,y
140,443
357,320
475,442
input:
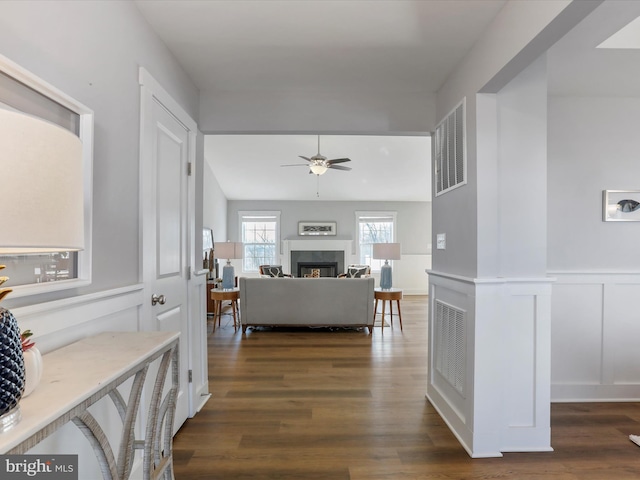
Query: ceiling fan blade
x,y
305,158
338,160
295,165
338,167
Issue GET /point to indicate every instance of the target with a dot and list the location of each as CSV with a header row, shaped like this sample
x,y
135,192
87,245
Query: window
x,y
374,227
449,151
260,234
37,273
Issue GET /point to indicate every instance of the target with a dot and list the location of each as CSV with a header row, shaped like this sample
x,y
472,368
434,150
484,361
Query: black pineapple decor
x,y
11,362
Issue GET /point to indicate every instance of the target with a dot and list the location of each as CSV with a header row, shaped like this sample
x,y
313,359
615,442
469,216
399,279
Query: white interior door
x,y
165,154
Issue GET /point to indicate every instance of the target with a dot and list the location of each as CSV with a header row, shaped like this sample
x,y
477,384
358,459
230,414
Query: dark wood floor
x,y
338,405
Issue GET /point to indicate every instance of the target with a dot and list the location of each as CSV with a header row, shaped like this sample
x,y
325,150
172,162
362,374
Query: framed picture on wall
x,y
317,228
621,205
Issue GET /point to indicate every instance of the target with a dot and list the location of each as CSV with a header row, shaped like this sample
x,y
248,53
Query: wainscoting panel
x,y
501,326
576,334
58,323
61,322
595,331
520,348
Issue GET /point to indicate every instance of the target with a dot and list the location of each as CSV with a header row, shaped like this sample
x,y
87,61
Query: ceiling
x,y
388,168
307,46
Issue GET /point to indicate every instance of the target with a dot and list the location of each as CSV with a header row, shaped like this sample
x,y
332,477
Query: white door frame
x,y
150,89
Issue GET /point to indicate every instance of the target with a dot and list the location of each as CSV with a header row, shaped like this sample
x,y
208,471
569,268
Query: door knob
x,y
155,299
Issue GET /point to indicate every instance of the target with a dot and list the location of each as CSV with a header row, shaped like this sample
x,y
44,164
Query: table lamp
x,y
386,252
42,183
228,250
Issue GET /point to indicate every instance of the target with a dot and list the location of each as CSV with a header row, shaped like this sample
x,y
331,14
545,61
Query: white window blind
x,y
38,268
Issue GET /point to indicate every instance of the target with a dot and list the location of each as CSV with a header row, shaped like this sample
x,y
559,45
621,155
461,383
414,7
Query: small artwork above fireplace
x,y
317,228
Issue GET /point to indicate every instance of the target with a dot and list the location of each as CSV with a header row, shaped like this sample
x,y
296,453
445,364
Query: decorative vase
x,y
33,367
385,276
11,370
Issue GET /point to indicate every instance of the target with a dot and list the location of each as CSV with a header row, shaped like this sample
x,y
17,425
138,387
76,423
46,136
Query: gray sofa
x,y
321,302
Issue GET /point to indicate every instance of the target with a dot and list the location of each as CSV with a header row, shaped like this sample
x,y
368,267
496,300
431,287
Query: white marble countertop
x,y
77,375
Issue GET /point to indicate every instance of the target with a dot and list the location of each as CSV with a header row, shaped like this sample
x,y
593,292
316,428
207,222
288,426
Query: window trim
x,y
377,213
261,213
85,133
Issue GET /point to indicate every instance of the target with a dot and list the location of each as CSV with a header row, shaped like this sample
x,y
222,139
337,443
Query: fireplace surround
x,y
319,252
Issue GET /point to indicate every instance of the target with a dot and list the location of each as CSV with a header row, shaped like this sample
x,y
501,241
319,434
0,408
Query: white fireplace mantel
x,y
317,244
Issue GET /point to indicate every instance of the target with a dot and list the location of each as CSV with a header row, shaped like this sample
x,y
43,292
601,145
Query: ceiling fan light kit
x,y
318,169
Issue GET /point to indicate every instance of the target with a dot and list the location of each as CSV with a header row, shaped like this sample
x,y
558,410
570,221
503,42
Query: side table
x,y
219,295
387,294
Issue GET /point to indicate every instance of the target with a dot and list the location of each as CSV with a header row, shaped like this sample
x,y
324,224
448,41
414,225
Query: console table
x,y
78,375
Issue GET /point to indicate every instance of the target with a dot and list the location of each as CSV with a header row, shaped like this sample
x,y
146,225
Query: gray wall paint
x,y
491,62
522,177
92,52
215,206
345,112
593,146
413,220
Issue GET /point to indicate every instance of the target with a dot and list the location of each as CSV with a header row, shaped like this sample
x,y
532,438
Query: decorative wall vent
x,y
450,344
450,151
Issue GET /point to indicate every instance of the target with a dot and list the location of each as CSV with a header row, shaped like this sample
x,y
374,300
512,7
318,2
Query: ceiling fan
x,y
318,164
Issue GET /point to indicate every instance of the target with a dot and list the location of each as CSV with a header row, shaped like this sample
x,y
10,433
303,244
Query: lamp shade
x,y
228,250
42,186
386,251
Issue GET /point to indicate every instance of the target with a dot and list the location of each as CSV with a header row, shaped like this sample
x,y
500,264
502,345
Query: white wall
x,y
531,28
593,146
502,329
505,320
92,52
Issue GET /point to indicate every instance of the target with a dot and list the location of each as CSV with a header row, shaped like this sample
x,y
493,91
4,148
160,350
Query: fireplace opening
x,y
327,269
321,259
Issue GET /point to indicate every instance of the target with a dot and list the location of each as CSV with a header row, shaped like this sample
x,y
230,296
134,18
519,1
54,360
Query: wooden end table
x,y
389,294
219,295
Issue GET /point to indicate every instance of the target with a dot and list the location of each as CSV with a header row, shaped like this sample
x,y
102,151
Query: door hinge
x,y
189,168
187,272
190,376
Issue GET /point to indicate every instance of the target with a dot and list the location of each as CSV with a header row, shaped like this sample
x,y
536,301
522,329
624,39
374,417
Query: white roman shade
x,y
42,186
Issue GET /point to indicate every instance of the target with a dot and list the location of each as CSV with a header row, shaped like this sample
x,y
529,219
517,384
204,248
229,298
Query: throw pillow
x,y
274,271
356,271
